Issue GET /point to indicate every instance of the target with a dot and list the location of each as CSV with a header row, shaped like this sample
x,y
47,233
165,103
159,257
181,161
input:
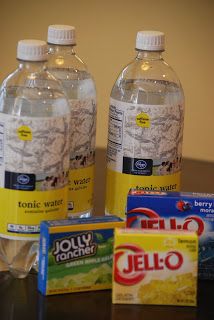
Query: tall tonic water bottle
x,y
79,86
145,125
34,155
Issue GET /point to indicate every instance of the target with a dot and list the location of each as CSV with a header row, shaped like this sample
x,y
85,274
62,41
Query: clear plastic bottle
x,y
79,86
34,155
145,125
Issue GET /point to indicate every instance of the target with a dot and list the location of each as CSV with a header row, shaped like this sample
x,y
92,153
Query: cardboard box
x,y
76,254
155,267
177,211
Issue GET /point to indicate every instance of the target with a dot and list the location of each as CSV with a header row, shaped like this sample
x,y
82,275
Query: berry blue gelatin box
x,y
76,254
176,211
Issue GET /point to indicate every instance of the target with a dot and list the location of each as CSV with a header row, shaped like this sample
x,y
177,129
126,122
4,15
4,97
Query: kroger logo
x,y
141,164
23,179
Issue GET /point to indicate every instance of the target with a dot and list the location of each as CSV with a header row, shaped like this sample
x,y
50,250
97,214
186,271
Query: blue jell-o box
x,y
176,211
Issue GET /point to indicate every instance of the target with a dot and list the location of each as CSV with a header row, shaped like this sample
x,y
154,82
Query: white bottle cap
x,y
150,40
32,50
61,34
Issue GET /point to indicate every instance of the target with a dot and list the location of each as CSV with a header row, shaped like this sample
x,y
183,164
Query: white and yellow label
x,y
34,162
22,211
144,150
82,155
118,185
80,191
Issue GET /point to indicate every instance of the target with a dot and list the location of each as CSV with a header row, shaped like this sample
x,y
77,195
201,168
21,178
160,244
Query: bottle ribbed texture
x,y
61,34
32,50
150,40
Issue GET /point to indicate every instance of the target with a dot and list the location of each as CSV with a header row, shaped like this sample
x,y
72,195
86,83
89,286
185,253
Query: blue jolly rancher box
x,y
76,254
176,211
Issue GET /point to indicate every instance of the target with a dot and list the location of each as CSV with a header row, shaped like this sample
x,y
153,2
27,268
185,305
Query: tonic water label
x,y
34,162
82,155
144,150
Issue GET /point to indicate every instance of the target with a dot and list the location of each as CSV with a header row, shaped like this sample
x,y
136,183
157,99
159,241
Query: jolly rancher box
x,y
76,254
155,267
176,211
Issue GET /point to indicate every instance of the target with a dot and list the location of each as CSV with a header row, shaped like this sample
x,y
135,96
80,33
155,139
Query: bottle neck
x,y
149,55
32,66
61,49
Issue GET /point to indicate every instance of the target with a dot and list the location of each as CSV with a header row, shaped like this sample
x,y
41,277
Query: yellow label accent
x,y
24,210
118,185
80,191
143,120
78,289
87,226
24,133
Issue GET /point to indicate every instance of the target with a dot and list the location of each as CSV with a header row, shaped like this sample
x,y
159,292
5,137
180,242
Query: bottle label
x,y
82,156
80,190
34,162
144,150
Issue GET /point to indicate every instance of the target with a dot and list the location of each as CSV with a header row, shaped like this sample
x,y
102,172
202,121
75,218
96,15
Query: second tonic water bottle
x,y
79,86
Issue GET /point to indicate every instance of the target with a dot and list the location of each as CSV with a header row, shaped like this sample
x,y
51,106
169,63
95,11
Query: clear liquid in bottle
x,y
35,123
